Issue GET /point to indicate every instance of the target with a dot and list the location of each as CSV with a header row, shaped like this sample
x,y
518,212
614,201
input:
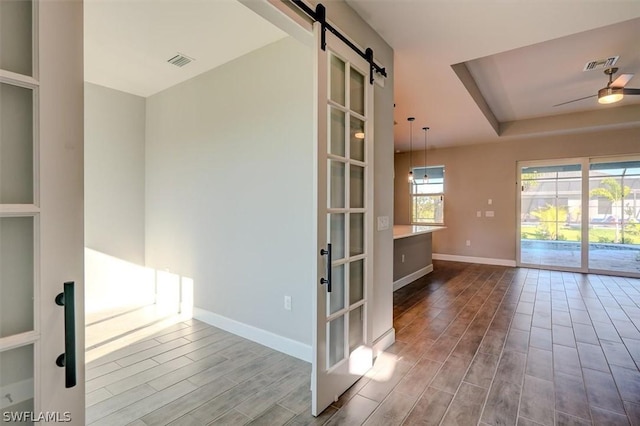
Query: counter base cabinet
x,y
412,253
412,258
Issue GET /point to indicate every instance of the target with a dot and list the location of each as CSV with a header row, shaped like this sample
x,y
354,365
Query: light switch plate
x,y
383,223
489,213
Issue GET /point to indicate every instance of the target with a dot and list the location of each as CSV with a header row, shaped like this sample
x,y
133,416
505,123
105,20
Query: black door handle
x,y
327,281
68,358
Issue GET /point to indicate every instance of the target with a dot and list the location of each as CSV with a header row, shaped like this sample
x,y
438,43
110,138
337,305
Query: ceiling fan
x,y
614,91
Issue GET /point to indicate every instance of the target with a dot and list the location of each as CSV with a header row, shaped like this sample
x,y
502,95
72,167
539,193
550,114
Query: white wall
x,y
114,201
229,160
114,172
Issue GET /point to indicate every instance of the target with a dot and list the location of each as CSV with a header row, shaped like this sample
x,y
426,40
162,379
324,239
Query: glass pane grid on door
x,y
346,211
348,289
345,332
19,220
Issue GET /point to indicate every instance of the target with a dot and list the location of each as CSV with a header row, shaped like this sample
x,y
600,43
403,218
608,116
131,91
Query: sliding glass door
x,y
580,215
614,216
550,225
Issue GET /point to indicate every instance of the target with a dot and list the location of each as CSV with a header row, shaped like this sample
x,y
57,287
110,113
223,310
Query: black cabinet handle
x,y
68,358
327,281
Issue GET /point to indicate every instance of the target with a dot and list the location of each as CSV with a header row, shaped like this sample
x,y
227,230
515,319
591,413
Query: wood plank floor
x,y
475,344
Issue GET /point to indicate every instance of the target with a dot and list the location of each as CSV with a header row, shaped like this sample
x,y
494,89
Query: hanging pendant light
x,y
426,177
410,120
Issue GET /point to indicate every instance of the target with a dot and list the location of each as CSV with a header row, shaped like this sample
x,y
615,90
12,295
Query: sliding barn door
x,y
342,341
41,212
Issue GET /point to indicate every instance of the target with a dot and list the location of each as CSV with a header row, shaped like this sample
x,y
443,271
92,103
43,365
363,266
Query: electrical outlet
x,y
479,213
468,243
287,303
489,201
403,258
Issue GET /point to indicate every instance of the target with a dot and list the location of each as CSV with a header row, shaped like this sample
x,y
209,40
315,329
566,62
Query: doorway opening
x,y
193,209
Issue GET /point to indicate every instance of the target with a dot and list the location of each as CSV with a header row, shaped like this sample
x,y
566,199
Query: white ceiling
x,y
523,71
128,42
524,56
526,82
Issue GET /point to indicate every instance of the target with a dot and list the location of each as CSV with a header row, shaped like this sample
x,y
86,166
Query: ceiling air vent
x,y
601,63
180,60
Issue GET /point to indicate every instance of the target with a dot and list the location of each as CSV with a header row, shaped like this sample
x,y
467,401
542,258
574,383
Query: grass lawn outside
x,y
597,234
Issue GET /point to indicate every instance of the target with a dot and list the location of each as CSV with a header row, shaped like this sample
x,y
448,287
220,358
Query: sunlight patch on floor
x,y
383,367
126,302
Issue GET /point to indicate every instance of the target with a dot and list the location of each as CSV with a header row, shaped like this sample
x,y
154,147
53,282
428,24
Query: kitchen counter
x,y
404,231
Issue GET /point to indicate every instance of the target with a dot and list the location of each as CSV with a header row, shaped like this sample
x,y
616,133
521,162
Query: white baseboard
x,y
384,341
412,277
471,259
266,338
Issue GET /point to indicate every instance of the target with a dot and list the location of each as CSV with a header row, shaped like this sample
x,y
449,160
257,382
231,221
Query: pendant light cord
x,y
425,154
410,120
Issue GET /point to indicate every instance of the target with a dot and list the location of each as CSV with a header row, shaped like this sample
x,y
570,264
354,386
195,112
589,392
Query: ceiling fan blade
x,y
621,81
631,91
575,100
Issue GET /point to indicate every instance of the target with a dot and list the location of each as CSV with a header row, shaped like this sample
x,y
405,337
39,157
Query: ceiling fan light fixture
x,y
614,91
609,95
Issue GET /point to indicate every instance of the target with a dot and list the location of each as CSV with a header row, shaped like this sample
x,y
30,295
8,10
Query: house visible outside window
x,y
427,196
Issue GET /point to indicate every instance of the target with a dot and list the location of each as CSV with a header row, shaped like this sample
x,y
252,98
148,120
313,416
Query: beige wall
x,y
477,173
